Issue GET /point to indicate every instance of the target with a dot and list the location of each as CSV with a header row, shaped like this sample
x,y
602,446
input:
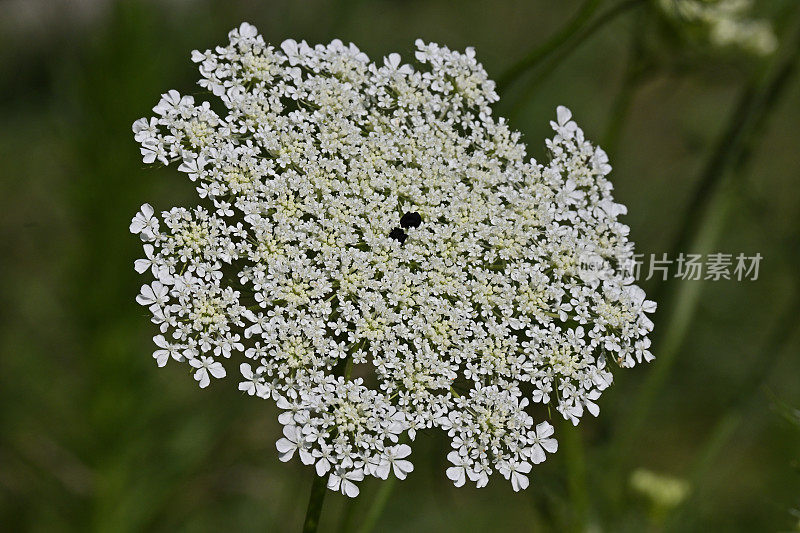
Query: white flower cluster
x,y
725,22
380,258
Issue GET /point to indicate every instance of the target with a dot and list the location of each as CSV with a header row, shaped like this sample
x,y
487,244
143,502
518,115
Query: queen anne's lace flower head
x,y
378,256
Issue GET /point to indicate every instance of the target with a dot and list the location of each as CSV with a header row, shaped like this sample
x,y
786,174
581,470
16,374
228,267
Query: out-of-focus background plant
x,y
696,102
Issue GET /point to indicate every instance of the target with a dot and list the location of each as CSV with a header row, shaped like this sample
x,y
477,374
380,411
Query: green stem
x,y
348,369
538,53
376,509
631,81
315,499
350,509
578,39
575,460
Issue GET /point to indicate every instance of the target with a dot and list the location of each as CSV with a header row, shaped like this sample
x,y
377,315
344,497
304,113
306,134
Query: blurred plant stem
x,y
578,37
635,73
575,461
705,216
348,515
538,53
378,505
315,500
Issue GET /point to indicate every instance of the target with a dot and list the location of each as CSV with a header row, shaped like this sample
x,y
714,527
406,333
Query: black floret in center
x,y
398,234
411,220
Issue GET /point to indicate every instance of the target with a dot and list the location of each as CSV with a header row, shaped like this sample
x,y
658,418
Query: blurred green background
x,y
93,437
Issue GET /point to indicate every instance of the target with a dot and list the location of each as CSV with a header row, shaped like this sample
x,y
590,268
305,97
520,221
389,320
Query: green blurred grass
x,y
94,437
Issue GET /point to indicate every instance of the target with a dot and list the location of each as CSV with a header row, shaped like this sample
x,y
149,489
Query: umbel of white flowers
x,y
377,255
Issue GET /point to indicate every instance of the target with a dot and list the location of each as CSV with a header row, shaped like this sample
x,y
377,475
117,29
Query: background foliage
x,y
704,145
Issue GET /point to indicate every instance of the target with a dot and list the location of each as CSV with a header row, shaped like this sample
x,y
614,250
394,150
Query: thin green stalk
x,y
683,308
575,459
350,511
377,507
573,43
538,53
632,78
315,500
620,110
717,166
348,369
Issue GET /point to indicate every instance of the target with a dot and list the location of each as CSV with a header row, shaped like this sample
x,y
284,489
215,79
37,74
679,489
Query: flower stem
x,y
571,44
315,499
376,509
576,474
536,55
635,72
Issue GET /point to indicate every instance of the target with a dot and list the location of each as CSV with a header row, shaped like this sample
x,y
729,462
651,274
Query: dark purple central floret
x,y
411,220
